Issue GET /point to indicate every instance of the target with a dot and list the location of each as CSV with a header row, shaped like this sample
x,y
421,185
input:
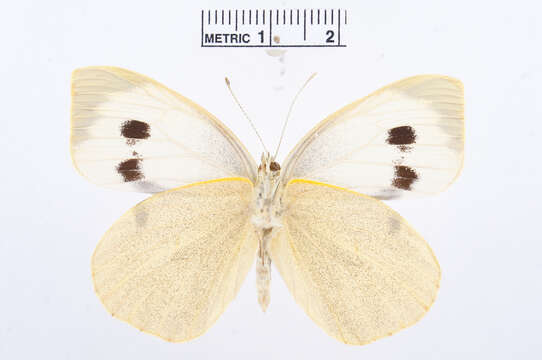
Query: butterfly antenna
x,y
245,113
290,111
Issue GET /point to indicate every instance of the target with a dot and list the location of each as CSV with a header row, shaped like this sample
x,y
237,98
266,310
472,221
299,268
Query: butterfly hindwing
x,y
172,263
406,138
131,133
354,265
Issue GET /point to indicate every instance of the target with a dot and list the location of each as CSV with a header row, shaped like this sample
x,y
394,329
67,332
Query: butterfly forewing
x,y
131,133
354,265
406,138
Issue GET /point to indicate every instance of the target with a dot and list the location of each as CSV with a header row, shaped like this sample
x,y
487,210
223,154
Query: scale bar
x,y
281,28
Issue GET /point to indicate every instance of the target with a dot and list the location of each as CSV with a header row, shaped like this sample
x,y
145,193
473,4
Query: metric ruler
x,y
273,28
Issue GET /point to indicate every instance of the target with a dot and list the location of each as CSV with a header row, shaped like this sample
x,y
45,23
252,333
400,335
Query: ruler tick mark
x,y
304,25
270,27
339,26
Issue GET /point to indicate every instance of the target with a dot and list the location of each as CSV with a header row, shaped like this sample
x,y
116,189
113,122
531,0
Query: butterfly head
x,y
268,168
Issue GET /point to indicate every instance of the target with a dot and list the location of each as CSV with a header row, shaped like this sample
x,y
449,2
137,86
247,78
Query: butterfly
x,y
171,264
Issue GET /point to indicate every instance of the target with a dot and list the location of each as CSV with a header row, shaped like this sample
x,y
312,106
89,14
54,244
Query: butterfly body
x,y
171,264
267,210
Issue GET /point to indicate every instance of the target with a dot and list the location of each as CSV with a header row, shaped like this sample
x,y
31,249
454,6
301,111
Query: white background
x,y
485,230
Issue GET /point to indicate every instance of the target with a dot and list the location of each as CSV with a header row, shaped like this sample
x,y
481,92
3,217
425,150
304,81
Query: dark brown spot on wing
x,y
135,130
401,136
130,170
405,176
404,148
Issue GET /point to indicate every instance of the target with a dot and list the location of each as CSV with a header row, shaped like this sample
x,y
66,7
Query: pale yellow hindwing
x,y
172,264
354,265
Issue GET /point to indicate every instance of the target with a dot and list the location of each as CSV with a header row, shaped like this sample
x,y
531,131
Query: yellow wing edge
x,y
293,181
127,212
251,166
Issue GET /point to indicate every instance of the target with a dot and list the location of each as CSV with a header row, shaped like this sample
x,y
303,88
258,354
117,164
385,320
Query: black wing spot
x,y
405,176
130,170
135,130
401,136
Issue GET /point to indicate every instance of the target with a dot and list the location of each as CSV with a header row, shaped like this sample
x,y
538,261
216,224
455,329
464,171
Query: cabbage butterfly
x,y
172,263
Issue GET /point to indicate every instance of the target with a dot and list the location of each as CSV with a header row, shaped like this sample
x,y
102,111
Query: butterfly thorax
x,y
266,218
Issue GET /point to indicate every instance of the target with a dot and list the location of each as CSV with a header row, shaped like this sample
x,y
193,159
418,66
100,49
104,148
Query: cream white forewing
x,y
406,138
131,133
